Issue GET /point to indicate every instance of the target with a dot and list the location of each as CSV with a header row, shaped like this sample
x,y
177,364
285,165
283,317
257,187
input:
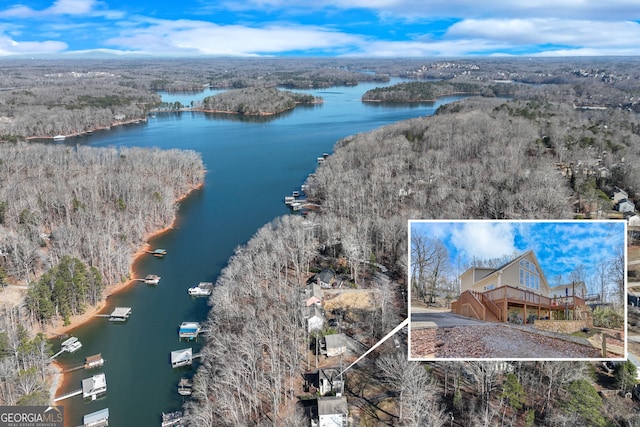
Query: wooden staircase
x,y
476,305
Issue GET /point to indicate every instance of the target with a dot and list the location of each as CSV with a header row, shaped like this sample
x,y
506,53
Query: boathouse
x,y
96,419
94,386
94,361
182,357
120,314
189,330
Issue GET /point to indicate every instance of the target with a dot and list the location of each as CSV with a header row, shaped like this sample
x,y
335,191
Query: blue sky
x,y
560,246
371,28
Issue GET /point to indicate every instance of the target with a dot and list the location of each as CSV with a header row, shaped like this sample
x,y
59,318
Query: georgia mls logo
x,y
31,416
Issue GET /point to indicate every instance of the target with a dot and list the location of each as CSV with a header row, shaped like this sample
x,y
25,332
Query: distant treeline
x,y
430,91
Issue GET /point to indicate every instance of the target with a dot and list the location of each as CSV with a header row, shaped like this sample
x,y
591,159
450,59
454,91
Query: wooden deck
x,y
493,305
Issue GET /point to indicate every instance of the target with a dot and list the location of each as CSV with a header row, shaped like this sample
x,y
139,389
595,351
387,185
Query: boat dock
x,y
119,314
171,419
189,330
94,361
94,386
69,345
96,419
158,253
182,357
204,289
151,279
185,386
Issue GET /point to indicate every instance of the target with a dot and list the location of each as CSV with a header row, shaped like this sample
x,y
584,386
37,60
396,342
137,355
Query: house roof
x,y
326,275
508,264
335,340
332,405
505,265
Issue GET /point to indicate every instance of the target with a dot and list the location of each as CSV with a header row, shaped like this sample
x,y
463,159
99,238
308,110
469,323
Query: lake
x,y
252,163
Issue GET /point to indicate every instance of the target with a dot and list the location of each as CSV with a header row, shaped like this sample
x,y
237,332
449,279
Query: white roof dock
x,y
96,419
181,357
93,386
120,314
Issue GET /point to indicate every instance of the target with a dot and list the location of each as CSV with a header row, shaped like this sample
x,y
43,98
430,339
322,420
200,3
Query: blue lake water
x,y
251,165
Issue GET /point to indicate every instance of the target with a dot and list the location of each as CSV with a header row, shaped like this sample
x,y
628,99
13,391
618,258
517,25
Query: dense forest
x,y
256,101
71,220
430,91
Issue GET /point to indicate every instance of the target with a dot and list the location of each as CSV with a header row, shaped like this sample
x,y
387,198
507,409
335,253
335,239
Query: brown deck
x,y
493,305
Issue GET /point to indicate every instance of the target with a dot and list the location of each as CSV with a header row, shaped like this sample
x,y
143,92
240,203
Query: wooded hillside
x,y
256,101
94,204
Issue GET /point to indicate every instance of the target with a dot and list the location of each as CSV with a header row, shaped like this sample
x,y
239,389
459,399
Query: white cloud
x,y
590,34
188,36
427,49
61,7
9,46
411,9
484,239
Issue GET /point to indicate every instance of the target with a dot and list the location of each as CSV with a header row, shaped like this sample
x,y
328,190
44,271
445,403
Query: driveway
x,y
438,334
425,317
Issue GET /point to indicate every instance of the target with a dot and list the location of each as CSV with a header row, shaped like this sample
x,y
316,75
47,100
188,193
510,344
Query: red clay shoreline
x,y
58,380
86,132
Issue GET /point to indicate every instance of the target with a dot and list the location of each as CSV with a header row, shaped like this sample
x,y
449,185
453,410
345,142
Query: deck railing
x,y
525,296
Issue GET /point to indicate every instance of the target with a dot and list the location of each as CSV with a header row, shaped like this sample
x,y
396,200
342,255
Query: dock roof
x,y
121,312
96,417
181,356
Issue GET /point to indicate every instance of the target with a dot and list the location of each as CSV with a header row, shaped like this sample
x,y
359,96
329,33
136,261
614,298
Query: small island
x,y
256,101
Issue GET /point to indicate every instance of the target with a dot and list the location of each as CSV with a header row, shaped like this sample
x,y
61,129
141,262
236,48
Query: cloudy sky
x,y
371,28
560,246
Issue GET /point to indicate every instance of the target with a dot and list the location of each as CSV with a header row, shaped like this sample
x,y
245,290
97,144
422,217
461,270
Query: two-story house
x,y
516,291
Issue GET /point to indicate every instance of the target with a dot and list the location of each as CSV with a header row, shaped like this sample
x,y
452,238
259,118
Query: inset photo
x,y
509,290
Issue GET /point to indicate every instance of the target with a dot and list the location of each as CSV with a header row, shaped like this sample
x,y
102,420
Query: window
x,y
529,275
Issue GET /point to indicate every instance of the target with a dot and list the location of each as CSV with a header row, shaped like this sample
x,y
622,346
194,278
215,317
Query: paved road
x,y
422,317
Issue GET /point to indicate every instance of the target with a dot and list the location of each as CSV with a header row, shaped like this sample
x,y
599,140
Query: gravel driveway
x,y
492,340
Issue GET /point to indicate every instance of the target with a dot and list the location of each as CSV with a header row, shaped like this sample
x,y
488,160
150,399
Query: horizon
x,y
452,29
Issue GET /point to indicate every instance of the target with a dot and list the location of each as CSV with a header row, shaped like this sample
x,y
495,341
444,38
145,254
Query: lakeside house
x,y
330,381
336,344
326,278
315,319
332,412
517,292
313,294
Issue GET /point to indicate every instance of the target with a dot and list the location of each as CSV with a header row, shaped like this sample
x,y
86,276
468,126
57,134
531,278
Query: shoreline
x,y
424,100
57,378
87,132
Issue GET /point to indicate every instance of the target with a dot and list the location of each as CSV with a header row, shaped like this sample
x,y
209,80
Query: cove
x,y
252,163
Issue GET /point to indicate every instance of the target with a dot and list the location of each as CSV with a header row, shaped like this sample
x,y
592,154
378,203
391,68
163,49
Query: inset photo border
x,y
517,290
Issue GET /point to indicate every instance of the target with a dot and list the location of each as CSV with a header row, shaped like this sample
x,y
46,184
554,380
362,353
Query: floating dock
x,y
189,330
151,279
159,253
69,345
204,289
96,419
185,387
171,419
